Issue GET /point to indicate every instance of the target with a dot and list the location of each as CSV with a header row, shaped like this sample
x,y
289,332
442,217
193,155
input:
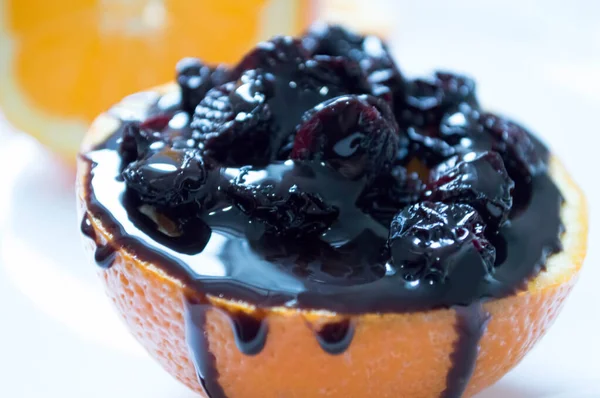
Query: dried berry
x,y
350,133
293,214
390,192
369,52
428,99
234,122
513,142
251,122
436,243
458,126
281,52
135,142
195,79
428,147
435,136
477,179
170,178
341,72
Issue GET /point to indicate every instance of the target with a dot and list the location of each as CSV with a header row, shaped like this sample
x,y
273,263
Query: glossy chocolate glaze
x,y
471,322
336,337
250,331
195,310
344,270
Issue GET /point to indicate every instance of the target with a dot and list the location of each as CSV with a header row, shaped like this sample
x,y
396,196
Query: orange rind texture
x,y
391,355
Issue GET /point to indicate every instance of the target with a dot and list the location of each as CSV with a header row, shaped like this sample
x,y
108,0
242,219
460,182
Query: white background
x,y
537,61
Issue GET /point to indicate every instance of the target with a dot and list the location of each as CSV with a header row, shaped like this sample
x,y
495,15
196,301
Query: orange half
x,y
391,355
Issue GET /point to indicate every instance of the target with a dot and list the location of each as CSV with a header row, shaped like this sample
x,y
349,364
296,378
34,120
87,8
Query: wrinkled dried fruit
x,y
234,123
272,56
438,243
294,214
390,192
170,178
477,179
195,79
513,142
429,98
350,133
135,142
369,52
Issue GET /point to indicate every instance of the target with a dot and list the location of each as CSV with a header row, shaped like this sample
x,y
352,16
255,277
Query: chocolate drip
x,y
250,331
334,338
104,254
87,229
471,322
195,311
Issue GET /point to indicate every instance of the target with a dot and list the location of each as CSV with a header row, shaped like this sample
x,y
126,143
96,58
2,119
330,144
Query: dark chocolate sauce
x,y
471,322
196,336
87,229
334,338
104,254
250,331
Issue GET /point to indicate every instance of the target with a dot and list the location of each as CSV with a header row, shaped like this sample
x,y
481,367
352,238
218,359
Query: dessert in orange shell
x,y
230,343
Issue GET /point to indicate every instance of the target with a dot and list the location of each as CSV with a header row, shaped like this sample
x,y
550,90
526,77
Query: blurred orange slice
x,y
64,61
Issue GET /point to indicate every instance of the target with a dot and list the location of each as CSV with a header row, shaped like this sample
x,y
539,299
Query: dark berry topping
x,y
513,142
388,192
477,179
333,40
435,242
234,122
281,52
253,120
156,123
136,142
293,214
350,133
428,99
427,146
313,174
195,79
345,73
338,98
369,52
457,125
170,178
